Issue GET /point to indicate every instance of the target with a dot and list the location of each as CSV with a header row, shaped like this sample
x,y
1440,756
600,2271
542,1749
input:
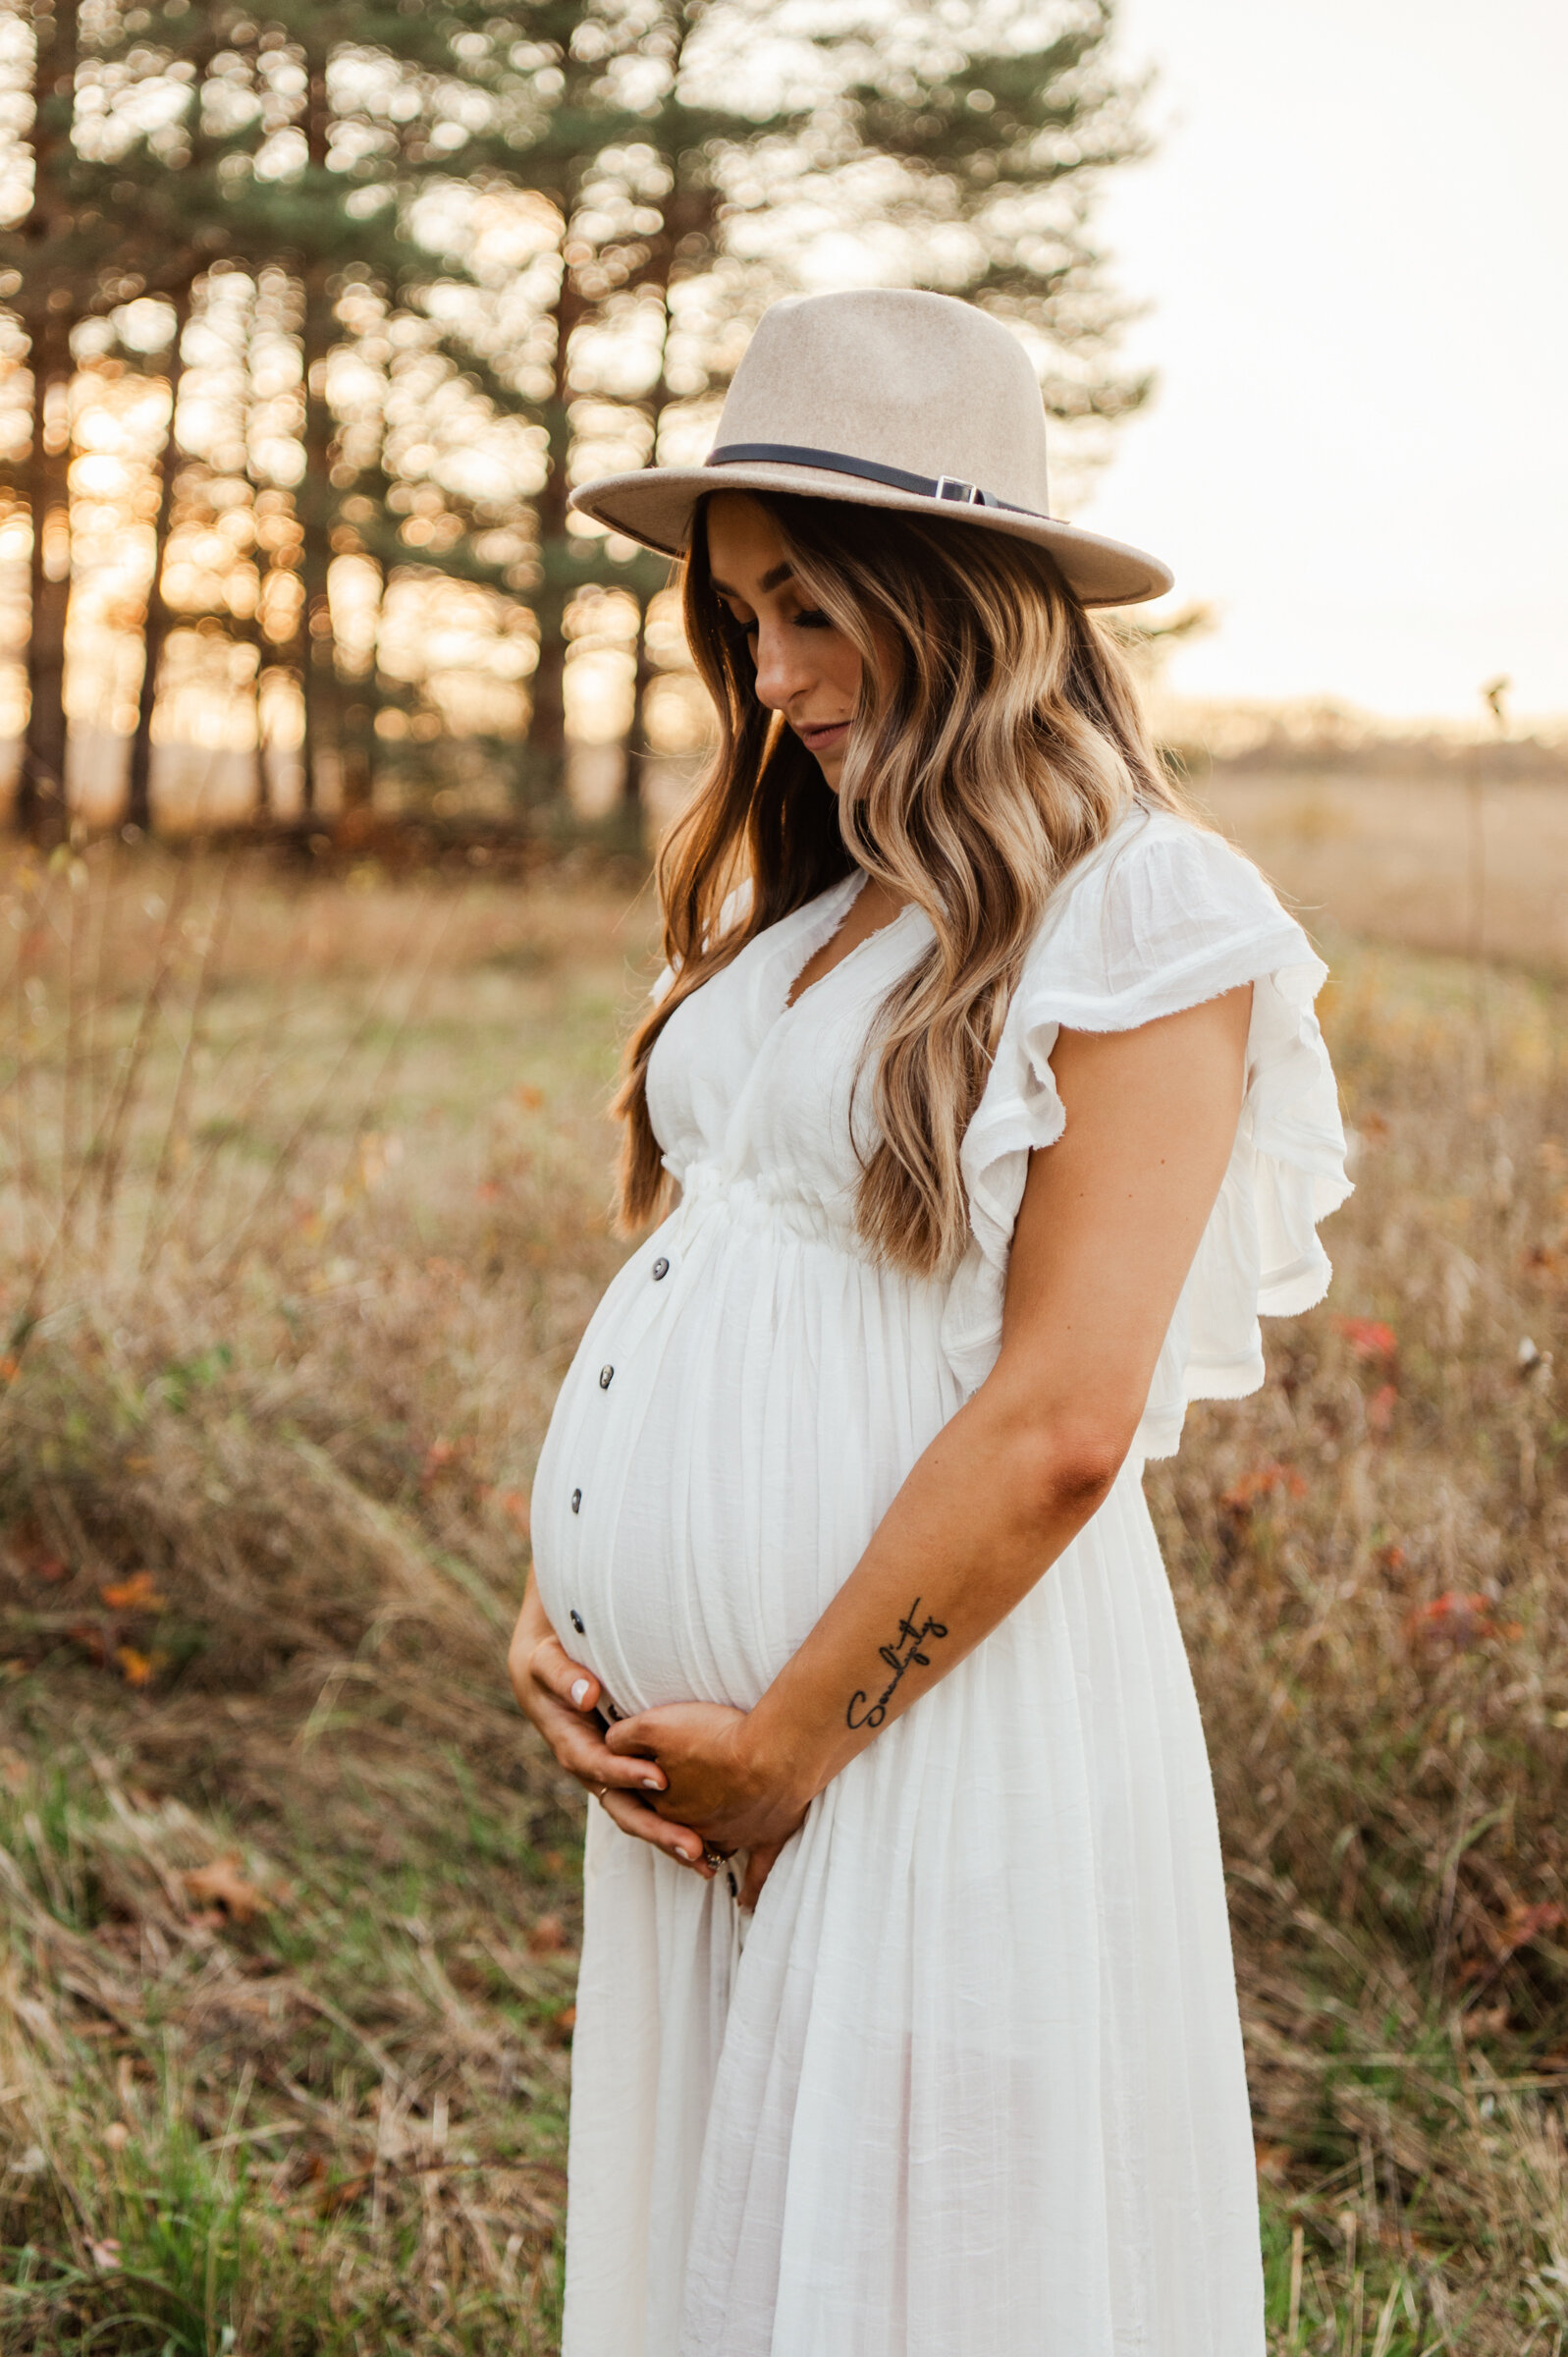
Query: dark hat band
x,y
871,470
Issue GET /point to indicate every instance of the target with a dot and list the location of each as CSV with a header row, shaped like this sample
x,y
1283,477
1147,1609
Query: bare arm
x,y
1111,1216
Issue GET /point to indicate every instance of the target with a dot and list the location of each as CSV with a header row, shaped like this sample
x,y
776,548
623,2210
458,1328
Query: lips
x,y
824,733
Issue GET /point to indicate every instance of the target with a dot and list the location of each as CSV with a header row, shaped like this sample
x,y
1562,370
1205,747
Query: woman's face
x,y
806,668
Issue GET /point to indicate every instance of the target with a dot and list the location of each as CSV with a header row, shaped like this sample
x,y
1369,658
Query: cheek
x,y
845,668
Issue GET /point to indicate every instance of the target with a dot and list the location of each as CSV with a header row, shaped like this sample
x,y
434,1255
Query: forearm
x,y
985,1512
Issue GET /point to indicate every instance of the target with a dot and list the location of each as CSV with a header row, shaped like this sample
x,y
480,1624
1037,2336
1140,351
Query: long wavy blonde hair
x,y
998,739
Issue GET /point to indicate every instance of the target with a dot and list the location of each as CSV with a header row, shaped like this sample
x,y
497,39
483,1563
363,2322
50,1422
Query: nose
x,y
784,671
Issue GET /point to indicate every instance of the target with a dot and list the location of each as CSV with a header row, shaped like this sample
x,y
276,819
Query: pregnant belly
x,y
743,1408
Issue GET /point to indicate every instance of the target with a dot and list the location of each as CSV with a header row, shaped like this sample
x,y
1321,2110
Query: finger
x,y
567,1680
579,1748
635,1735
676,1840
759,1865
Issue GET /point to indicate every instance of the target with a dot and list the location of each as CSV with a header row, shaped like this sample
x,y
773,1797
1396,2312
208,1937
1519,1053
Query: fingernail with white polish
x,y
579,1692
653,1784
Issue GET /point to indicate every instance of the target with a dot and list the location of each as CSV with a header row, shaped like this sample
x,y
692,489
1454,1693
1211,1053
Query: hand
x,y
715,1780
559,1696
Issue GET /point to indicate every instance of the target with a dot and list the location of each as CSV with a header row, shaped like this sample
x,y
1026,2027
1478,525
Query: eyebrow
x,y
770,581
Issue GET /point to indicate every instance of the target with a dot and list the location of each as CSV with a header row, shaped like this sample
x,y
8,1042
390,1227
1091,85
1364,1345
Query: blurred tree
x,y
54,251
343,94
483,252
632,157
156,616
981,131
402,117
956,146
166,148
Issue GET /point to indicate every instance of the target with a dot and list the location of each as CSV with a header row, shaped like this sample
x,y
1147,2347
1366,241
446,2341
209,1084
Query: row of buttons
x,y
606,1376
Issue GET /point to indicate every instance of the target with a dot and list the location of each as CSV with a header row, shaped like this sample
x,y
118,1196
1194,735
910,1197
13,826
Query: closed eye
x,y
809,617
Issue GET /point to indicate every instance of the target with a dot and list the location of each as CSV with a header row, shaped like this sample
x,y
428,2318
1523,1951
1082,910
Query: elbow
x,y
1071,1470
1061,1456
1084,1469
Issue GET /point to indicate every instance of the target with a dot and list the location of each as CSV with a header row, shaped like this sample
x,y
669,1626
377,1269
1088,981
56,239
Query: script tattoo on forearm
x,y
902,1654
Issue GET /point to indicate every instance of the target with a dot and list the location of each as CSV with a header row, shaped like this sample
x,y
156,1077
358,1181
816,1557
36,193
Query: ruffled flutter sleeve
x,y
1160,917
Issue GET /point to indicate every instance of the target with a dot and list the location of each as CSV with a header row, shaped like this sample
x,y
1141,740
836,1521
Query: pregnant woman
x,y
983,1109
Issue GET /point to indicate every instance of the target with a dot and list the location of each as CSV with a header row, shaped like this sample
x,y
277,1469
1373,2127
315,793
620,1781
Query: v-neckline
x,y
792,1000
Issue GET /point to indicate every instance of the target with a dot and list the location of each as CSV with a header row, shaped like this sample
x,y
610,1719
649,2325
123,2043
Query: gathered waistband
x,y
759,1203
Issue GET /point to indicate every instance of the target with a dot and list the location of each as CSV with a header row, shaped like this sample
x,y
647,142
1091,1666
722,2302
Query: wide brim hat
x,y
883,397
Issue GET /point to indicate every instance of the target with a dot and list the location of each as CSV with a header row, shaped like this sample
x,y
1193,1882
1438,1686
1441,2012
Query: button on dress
x,y
970,2082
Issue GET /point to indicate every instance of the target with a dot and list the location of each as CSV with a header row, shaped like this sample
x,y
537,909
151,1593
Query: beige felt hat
x,y
883,399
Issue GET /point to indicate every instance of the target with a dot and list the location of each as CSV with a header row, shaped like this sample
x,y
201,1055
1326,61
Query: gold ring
x,y
600,1791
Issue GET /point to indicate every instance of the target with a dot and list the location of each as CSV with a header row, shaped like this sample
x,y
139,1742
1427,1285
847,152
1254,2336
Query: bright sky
x,y
1354,245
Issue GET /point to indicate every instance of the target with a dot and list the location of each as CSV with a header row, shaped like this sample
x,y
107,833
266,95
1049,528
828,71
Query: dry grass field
x,y
1442,859
302,1207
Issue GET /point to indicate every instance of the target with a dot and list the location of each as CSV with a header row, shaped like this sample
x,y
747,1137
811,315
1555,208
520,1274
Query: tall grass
x,y
1369,1563
301,1196
298,1216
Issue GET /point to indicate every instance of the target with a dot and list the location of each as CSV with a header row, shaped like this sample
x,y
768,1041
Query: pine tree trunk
x,y
155,627
547,727
638,749
318,655
48,306
42,813
261,787
359,734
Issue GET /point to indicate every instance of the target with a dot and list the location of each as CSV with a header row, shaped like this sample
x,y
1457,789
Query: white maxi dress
x,y
970,2082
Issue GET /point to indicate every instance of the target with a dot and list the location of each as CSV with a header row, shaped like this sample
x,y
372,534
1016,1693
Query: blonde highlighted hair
x,y
999,738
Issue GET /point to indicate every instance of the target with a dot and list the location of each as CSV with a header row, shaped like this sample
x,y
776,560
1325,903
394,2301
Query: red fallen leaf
x,y
1457,1621
331,2198
138,1593
91,1639
1264,1481
1390,1557
547,1936
1486,2021
1380,1408
514,1503
1524,1923
488,1191
222,1884
527,1096
442,1457
564,2023
38,1561
1369,1339
139,1668
332,2194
